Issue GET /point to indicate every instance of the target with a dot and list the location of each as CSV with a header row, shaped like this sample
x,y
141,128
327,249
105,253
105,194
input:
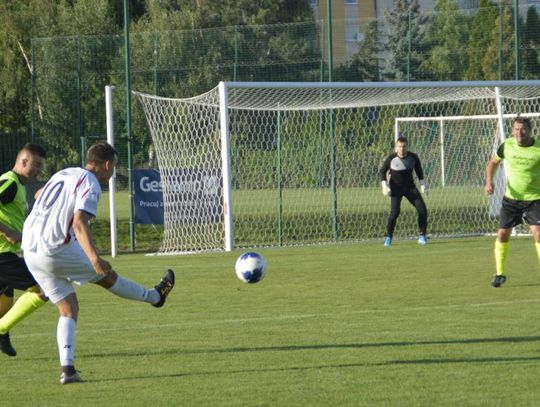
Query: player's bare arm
x,y
38,193
11,235
84,237
491,168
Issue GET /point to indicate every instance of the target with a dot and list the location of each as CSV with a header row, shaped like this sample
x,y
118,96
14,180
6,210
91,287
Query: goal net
x,y
275,164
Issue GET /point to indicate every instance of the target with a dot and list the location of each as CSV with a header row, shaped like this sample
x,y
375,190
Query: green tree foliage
x,y
406,43
19,21
479,39
185,47
364,65
448,30
70,78
179,53
500,48
531,43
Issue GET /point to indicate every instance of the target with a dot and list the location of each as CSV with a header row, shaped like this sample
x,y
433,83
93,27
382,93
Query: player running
x,y
521,199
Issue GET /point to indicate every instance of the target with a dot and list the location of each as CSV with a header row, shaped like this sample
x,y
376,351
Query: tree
x,y
19,22
406,44
531,42
364,65
180,51
72,71
447,34
498,61
480,37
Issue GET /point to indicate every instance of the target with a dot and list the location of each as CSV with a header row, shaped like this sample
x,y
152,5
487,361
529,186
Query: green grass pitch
x,y
334,325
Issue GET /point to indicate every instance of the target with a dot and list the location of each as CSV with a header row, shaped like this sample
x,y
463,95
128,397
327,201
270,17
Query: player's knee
x,y
68,307
108,280
503,235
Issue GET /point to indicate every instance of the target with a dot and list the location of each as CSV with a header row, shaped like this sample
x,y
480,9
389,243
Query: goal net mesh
x,y
304,160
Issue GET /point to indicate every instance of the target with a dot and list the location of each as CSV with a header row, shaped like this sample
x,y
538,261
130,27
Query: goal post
x,y
251,164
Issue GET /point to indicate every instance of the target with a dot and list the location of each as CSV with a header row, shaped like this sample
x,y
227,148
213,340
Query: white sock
x,y
65,336
128,289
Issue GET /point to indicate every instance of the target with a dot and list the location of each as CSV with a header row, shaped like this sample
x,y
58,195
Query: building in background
x,y
351,17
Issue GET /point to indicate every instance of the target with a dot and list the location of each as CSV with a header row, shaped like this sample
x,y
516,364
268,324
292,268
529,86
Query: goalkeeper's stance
x,y
397,181
521,199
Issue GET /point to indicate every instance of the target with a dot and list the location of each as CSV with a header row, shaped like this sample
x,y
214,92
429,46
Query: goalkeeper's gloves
x,y
385,188
423,187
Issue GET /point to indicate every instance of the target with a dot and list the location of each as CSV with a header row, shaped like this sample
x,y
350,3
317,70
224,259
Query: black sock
x,y
69,370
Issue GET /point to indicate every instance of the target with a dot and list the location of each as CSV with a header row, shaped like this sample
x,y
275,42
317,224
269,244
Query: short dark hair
x,y
35,149
523,120
401,139
100,152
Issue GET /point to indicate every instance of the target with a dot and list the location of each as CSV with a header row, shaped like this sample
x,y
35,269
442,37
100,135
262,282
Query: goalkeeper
x,y
521,199
396,175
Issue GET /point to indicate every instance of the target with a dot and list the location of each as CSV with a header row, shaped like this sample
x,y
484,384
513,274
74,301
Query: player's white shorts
x,y
55,274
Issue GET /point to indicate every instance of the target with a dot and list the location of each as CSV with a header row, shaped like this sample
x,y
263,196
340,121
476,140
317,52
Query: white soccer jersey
x,y
48,228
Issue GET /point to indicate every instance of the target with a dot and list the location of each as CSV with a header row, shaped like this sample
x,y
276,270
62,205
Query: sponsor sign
x,y
193,196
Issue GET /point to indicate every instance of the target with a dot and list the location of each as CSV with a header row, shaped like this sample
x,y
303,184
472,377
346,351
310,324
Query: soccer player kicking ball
x,y
522,196
59,249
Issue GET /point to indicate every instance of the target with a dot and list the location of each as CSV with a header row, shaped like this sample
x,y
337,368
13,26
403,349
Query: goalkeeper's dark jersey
x,y
399,171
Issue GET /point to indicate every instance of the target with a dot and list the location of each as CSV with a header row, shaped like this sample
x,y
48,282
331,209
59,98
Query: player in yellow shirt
x,y
14,273
521,199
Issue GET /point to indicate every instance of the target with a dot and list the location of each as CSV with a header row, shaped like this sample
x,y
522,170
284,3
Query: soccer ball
x,y
251,267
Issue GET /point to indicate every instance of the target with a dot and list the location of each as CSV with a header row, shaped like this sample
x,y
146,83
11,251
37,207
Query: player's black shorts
x,y
514,212
14,273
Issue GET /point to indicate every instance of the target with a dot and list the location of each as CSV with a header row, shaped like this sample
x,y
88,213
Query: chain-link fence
x,y
70,73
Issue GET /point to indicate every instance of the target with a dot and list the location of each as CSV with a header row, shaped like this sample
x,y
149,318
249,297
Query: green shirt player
x,y
14,273
521,199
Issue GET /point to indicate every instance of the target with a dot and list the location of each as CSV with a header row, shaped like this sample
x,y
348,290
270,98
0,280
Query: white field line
x,y
138,327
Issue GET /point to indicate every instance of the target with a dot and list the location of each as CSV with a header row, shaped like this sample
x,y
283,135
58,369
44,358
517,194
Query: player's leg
x,y
74,263
535,230
415,198
6,290
6,299
66,333
31,300
15,273
53,277
532,217
395,209
510,216
131,290
500,252
6,302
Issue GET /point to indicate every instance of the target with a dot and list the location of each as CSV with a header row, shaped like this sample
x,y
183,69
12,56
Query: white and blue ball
x,y
251,267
